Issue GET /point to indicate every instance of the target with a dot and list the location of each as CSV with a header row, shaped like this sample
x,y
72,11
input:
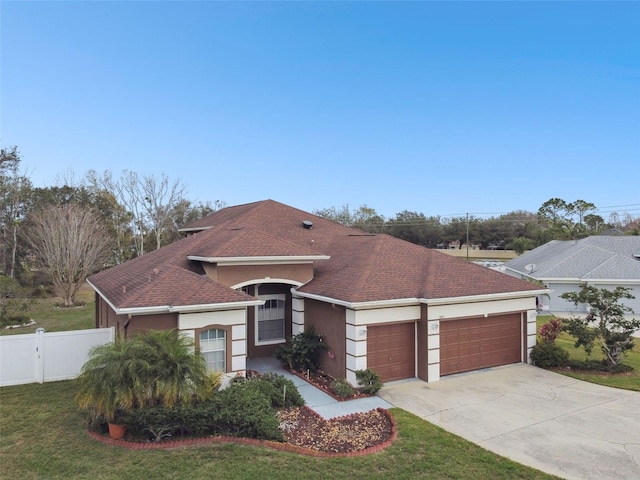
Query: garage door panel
x,y
471,344
391,351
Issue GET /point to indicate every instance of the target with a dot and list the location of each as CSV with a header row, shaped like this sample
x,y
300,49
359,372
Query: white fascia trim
x,y
485,298
283,260
113,307
561,279
207,307
398,302
177,309
194,229
590,281
266,280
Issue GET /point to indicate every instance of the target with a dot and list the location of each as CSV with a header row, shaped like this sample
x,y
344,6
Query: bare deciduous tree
x,y
70,242
160,201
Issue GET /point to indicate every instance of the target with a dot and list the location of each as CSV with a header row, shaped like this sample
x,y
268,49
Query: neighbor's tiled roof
x,y
362,267
597,257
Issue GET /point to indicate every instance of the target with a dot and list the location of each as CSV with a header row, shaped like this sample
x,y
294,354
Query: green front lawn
x,y
53,318
42,436
628,381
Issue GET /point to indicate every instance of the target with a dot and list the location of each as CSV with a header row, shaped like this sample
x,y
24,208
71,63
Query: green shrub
x,y
599,366
243,410
302,351
548,354
369,380
15,320
280,398
342,388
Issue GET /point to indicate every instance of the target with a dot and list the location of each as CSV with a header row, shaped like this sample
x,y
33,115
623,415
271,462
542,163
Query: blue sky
x,y
435,107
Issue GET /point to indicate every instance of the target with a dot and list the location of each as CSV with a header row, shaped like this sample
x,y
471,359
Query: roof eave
x,y
406,302
259,260
157,309
486,297
398,302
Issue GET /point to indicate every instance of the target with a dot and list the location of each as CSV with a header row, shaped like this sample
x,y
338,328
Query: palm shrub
x,y
155,368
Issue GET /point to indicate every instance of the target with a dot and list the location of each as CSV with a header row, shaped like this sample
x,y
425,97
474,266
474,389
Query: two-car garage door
x,y
474,343
465,344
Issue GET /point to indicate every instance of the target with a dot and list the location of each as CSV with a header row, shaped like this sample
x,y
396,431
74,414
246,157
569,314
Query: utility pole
x,y
467,237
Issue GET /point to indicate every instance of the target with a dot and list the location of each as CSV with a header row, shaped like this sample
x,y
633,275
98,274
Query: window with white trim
x,y
213,346
270,320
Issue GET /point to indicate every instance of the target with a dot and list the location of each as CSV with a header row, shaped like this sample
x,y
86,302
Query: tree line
x,y
519,230
56,236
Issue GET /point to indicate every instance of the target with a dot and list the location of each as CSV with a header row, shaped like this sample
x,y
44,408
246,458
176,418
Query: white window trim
x,y
258,343
224,351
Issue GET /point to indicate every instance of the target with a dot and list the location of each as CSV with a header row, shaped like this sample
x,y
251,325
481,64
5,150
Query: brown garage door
x,y
391,351
473,343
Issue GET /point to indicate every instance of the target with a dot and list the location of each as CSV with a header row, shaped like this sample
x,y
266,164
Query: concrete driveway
x,y
562,426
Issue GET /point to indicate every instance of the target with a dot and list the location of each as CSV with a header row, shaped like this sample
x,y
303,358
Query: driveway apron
x,y
566,427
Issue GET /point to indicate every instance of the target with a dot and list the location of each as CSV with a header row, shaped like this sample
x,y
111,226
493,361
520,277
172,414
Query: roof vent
x,y
307,224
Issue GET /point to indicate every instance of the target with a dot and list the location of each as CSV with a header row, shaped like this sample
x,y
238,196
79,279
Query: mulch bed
x,y
305,428
306,433
325,383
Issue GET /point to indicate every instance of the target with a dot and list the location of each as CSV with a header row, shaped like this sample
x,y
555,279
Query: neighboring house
x,y
249,276
563,266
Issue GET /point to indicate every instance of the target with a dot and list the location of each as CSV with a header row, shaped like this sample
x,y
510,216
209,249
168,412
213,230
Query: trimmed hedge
x,y
244,409
548,354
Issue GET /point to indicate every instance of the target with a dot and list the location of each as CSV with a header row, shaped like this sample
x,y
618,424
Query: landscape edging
x,y
287,447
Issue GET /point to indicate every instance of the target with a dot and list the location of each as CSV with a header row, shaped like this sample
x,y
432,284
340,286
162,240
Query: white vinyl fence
x,y
47,357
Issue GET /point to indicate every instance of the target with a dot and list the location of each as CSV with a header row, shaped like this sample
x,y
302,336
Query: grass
x,y
49,315
42,436
627,381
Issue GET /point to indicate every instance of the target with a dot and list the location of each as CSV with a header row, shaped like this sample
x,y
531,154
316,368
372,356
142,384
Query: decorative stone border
x,y
286,447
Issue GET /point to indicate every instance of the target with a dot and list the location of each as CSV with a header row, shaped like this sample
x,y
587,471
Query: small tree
x,y
69,242
605,324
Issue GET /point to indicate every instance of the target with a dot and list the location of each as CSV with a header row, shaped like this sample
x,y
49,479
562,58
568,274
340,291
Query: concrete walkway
x,y
325,405
562,426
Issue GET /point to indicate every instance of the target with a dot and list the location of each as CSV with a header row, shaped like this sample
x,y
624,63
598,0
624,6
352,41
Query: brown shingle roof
x,y
362,267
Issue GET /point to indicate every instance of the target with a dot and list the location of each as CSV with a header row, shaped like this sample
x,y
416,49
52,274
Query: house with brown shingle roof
x,y
247,277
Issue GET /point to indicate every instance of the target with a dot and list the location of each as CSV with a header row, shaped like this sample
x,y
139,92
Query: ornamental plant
x,y
551,330
302,351
151,369
369,380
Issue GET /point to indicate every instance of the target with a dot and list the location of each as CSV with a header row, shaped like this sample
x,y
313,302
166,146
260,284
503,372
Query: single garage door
x,y
474,343
391,351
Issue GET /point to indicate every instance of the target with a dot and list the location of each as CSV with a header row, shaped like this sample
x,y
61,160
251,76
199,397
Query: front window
x,y
213,346
270,320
